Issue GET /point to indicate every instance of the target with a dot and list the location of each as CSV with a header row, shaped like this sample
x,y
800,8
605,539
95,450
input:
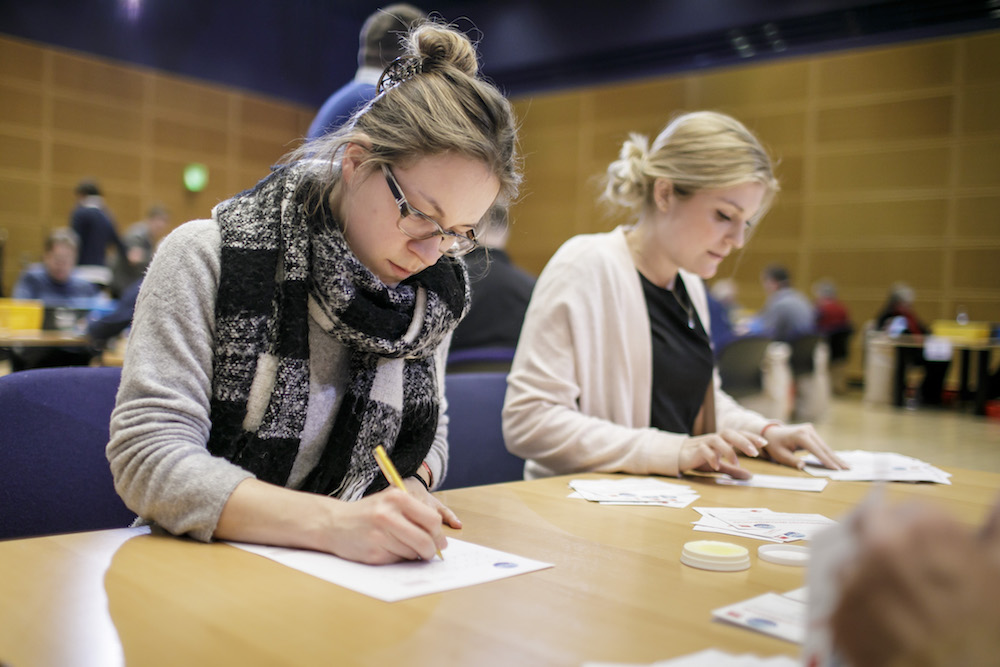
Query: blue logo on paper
x,y
505,564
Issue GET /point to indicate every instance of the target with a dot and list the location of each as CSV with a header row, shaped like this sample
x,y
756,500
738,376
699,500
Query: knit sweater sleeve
x,y
159,428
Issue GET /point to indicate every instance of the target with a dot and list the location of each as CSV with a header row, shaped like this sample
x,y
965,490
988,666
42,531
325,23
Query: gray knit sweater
x,y
159,429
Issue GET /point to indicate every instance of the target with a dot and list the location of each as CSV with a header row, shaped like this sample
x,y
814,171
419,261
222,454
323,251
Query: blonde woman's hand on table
x,y
716,452
783,440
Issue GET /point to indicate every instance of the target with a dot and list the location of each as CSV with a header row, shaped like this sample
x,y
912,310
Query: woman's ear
x,y
350,163
663,192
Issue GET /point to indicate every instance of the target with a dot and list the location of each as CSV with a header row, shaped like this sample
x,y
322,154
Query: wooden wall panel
x,y
976,268
889,162
21,61
67,116
879,221
913,66
979,163
87,76
20,152
978,218
92,120
884,121
21,105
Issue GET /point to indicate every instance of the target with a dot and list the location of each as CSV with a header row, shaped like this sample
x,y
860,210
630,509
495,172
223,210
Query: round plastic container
x,y
784,554
716,556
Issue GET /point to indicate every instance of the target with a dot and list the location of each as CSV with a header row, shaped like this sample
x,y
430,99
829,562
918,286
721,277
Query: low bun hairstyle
x,y
431,101
696,151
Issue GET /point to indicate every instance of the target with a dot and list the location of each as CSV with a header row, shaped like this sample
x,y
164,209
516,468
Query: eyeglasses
x,y
419,226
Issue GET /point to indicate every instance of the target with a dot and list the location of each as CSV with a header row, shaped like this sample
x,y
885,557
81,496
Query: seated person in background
x,y
52,282
922,590
787,313
897,317
275,345
834,323
140,242
614,370
500,294
720,306
110,325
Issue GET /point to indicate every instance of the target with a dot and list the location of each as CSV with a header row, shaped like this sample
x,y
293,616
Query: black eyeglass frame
x,y
460,243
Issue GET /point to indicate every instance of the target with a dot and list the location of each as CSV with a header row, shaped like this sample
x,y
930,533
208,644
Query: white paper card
x,y
776,482
465,564
772,614
879,466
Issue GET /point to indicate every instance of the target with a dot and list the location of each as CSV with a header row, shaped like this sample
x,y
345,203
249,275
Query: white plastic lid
x,y
784,554
717,556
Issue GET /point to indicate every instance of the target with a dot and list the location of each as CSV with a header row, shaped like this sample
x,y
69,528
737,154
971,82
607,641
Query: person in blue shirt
x,y
787,313
52,282
379,46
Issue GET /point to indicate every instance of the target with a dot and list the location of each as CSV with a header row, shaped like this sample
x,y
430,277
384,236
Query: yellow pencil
x,y
391,474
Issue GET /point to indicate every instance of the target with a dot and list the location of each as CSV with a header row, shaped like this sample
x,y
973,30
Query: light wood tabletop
x,y
618,591
42,338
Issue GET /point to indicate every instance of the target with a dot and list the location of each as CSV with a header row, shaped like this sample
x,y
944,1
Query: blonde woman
x,y
614,369
275,345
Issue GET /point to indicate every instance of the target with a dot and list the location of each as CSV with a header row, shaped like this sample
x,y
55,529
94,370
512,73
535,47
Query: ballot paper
x,y
711,658
775,482
778,615
879,466
464,564
634,491
760,523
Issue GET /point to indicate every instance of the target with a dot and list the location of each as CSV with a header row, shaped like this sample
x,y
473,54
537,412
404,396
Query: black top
x,y
682,357
500,295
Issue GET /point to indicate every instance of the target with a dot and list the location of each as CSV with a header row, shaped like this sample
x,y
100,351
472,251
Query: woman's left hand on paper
x,y
448,517
783,440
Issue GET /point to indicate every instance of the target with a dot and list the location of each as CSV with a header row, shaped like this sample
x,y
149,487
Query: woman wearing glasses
x,y
614,370
275,345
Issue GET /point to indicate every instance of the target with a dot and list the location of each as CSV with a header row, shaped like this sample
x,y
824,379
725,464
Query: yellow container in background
x,y
968,331
21,314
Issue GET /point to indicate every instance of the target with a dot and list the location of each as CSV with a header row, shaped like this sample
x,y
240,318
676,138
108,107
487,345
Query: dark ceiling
x,y
301,50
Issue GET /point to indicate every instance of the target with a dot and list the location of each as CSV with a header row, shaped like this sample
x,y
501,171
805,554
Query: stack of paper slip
x,y
782,616
634,491
760,523
879,466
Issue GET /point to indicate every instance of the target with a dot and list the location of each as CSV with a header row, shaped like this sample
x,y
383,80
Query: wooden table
x,y
966,347
41,338
617,592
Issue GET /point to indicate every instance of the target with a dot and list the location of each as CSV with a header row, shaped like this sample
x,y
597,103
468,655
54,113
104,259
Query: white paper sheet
x,y
760,523
634,491
879,466
776,482
712,658
464,564
781,616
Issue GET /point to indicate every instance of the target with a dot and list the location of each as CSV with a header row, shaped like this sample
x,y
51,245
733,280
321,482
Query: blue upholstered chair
x,y
54,477
477,452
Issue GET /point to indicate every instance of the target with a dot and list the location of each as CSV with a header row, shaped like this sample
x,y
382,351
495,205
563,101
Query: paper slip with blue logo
x,y
761,523
464,564
634,491
778,615
879,466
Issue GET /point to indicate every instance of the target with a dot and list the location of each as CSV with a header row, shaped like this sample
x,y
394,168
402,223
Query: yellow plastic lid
x,y
717,556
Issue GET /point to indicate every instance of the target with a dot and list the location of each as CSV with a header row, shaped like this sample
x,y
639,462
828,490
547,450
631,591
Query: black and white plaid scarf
x,y
280,266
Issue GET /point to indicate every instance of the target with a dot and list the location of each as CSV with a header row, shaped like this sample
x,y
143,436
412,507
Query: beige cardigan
x,y
579,391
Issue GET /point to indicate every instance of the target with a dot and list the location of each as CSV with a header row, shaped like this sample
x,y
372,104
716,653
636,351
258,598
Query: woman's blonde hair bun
x,y
434,45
